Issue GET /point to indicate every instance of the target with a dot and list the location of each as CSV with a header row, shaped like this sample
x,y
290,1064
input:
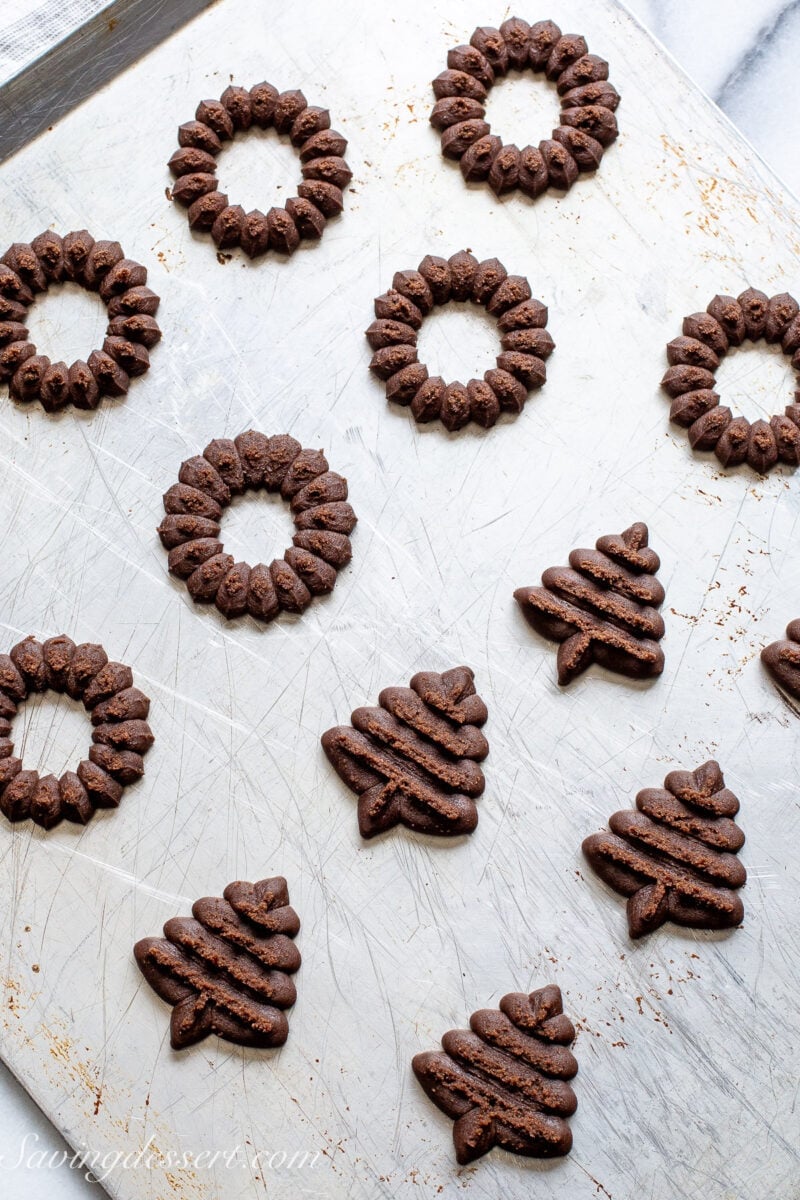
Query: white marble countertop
x,y
741,54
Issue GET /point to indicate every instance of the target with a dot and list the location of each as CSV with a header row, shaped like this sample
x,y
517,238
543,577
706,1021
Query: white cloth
x,y
29,28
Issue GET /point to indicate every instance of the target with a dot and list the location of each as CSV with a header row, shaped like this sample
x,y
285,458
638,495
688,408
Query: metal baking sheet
x,y
687,1041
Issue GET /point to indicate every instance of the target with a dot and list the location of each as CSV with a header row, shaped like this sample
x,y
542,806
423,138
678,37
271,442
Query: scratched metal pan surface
x,y
687,1041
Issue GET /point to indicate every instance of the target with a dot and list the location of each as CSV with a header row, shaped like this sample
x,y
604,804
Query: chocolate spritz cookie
x,y
521,321
675,854
226,969
602,607
782,660
414,760
120,738
325,174
504,1081
691,380
27,270
587,125
207,484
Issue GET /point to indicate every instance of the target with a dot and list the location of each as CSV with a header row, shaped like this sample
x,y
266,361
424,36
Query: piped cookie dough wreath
x,y
207,484
521,320
325,174
690,380
28,270
120,738
587,125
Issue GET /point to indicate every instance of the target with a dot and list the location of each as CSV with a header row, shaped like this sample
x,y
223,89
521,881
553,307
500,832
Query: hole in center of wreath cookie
x,y
755,380
257,527
523,108
67,323
459,341
258,169
51,733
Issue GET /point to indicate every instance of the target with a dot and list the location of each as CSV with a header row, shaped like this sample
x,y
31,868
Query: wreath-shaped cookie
x,y
207,484
588,101
121,735
521,321
26,271
691,379
325,172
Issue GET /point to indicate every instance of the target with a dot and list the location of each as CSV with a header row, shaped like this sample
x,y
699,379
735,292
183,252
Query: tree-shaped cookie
x,y
602,607
226,969
504,1081
414,761
675,855
782,660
